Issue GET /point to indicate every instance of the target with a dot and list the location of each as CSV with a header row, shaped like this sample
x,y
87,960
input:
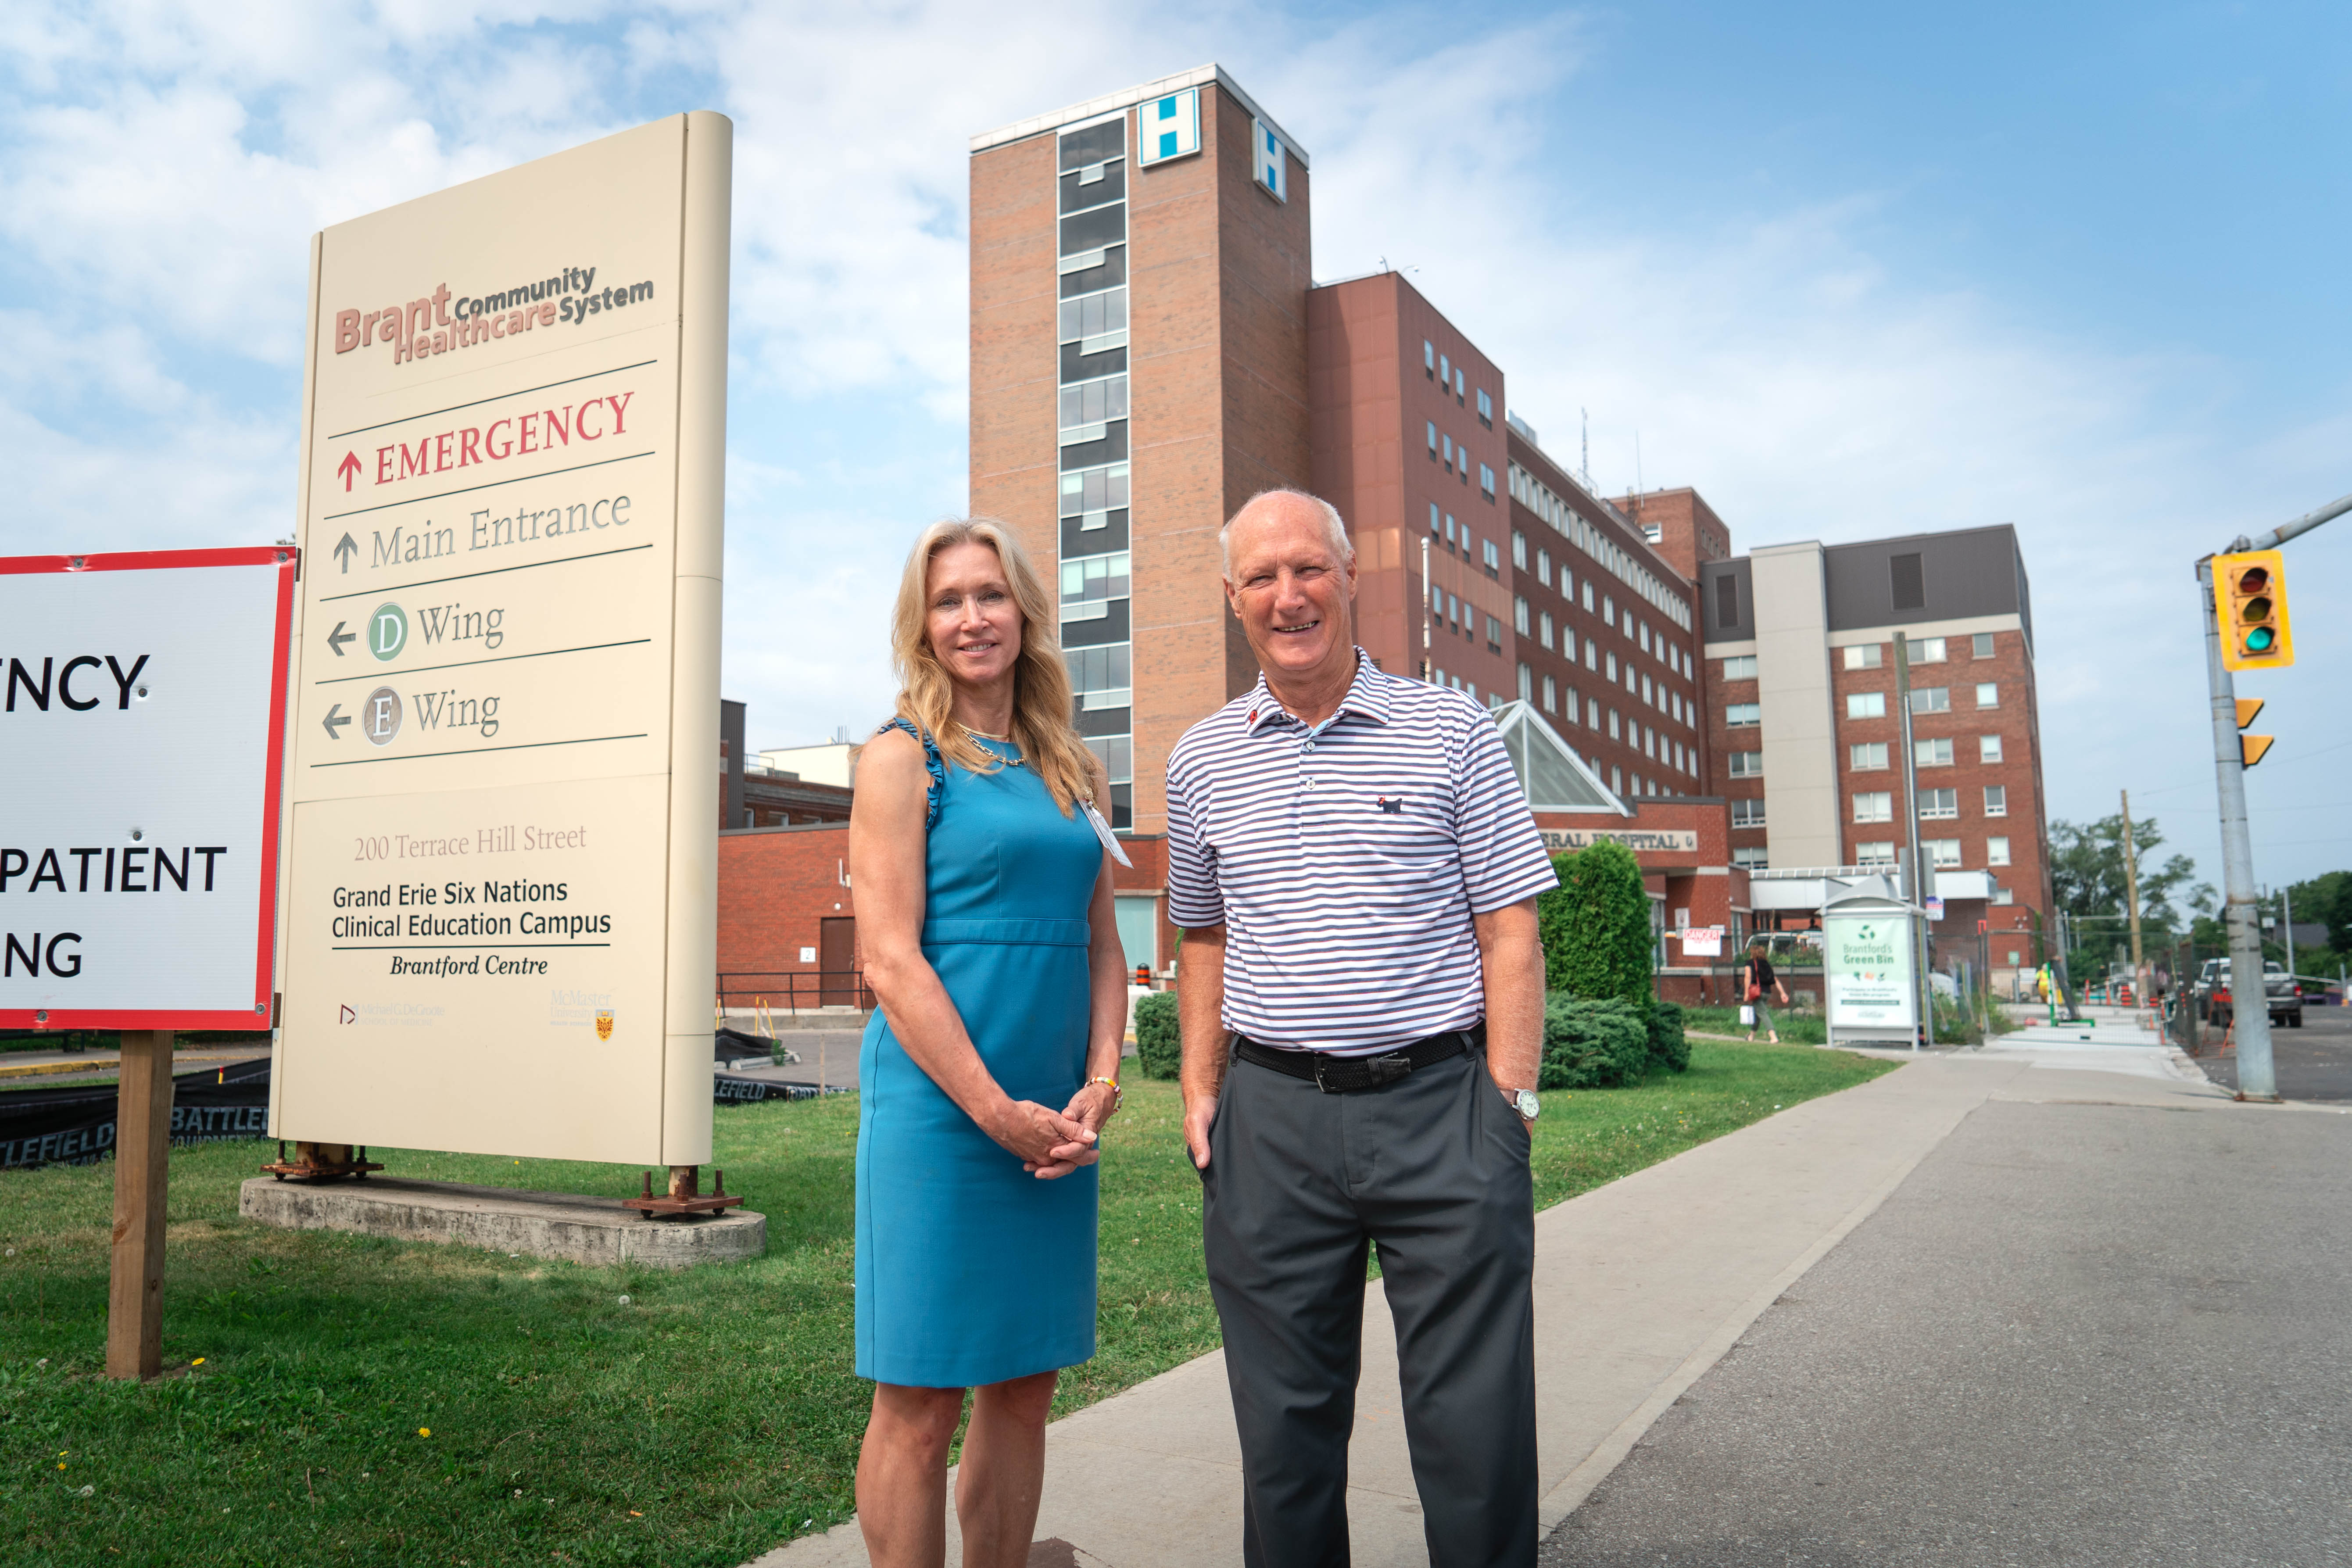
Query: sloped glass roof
x,y
1550,773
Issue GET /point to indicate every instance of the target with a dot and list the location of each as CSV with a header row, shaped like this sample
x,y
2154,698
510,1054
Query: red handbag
x,y
1754,991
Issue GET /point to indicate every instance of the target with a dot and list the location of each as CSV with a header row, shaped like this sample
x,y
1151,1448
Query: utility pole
x,y
1922,877
2131,897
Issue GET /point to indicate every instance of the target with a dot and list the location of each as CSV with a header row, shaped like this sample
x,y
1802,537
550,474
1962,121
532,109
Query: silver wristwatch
x,y
1525,1102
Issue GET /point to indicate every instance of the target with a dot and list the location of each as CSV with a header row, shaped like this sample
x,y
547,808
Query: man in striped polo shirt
x,y
1361,993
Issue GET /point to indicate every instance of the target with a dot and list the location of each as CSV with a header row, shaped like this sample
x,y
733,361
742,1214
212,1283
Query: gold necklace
x,y
1000,740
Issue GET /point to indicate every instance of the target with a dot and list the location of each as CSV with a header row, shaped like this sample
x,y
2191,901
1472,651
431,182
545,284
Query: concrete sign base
x,y
568,1226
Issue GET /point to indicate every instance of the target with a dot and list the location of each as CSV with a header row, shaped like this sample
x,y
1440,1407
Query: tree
x,y
2086,876
1595,926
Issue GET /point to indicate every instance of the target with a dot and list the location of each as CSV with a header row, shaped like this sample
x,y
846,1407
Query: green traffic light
x,y
2261,640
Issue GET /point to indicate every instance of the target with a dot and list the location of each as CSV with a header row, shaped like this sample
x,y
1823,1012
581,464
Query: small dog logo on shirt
x,y
1392,804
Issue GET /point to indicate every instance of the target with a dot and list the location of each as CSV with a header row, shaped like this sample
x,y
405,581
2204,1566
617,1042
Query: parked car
x,y
2278,988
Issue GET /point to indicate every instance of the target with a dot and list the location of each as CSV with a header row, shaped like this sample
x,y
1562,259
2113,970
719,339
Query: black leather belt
x,y
1338,1075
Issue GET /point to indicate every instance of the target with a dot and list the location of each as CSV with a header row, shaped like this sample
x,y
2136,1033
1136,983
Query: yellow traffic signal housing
x,y
2250,603
2250,747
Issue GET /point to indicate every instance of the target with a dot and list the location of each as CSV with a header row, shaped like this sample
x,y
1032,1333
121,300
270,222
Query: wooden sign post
x,y
142,1152
136,898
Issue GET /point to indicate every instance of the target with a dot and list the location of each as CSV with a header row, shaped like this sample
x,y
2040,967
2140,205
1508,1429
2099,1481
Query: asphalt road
x,y
2078,1334
2314,1062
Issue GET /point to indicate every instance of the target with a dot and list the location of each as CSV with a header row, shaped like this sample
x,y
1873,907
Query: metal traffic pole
x,y
2240,916
2256,1077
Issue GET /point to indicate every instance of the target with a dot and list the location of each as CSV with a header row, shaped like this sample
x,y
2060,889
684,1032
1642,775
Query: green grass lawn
x,y
1809,1030
361,1401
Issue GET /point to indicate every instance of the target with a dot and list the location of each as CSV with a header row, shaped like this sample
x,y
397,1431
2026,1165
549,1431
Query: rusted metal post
x,y
685,1180
142,1152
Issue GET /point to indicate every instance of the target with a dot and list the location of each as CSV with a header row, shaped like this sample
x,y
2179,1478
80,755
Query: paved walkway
x,y
2103,1325
1641,1286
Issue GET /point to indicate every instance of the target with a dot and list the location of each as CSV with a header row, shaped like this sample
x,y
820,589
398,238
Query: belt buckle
x,y
1389,1068
1320,1059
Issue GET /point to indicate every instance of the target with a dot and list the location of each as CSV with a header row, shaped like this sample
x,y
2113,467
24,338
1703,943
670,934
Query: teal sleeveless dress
x,y
969,1269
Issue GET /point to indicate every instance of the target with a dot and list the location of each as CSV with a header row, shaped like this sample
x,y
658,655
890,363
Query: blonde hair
x,y
1049,744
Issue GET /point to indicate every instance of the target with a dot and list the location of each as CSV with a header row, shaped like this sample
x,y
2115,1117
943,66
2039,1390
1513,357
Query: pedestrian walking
x,y
1760,983
986,925
1361,992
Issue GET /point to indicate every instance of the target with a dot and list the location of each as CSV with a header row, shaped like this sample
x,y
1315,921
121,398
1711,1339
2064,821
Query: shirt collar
x,y
1367,697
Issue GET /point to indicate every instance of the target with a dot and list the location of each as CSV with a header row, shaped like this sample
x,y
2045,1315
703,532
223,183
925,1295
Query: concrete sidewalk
x,y
1641,1286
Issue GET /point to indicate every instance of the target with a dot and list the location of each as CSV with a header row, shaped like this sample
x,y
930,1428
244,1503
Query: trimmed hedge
x,y
1159,1043
1593,1042
1595,926
1668,1049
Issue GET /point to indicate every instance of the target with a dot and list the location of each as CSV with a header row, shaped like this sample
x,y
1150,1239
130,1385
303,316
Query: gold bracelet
x,y
1118,1095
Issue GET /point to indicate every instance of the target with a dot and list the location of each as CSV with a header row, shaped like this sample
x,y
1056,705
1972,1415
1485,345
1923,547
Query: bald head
x,y
1286,510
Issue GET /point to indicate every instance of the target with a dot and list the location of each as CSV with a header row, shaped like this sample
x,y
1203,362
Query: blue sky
x,y
1849,273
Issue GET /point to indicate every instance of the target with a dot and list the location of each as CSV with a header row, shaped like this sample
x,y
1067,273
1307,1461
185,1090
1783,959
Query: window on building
x,y
1446,444
1090,582
1926,650
1494,559
1588,595
1098,676
1608,611
1867,756
1748,764
1094,317
1494,633
1746,814
1433,518
1935,754
1939,805
1988,748
1865,705
1735,714
1460,383
1444,370
1647,691
1931,699
1996,800
1981,645
1987,694
1519,550
1874,805
1862,656
1485,413
1592,712
1543,629
1750,858
1432,438
1617,781
1875,852
1543,568
1641,635
1613,725
1941,852
1613,669
1997,850
1526,684
1519,616
1908,582
1649,742
1486,477
1449,534
2002,896
1552,695
1567,583
1592,654
1739,667
1428,358
1727,600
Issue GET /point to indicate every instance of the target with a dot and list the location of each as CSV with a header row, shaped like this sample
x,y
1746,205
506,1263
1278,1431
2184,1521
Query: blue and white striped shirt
x,y
1345,861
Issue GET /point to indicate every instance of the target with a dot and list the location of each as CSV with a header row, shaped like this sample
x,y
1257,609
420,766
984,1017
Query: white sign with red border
x,y
142,697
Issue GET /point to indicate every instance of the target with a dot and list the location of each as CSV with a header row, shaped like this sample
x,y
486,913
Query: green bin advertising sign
x,y
1866,966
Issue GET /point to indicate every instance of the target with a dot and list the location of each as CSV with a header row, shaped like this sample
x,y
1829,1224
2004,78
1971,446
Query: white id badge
x,y
1103,831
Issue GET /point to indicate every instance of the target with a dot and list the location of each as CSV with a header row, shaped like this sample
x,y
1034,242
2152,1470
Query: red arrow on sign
x,y
347,468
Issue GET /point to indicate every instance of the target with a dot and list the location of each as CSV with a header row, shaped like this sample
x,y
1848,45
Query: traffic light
x,y
2251,748
2250,601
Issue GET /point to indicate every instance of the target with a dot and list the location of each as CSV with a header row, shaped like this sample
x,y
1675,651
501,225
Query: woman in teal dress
x,y
985,924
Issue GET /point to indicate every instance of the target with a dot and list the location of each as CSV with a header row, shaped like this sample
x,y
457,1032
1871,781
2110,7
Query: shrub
x,y
1592,1043
1668,1049
1158,1044
1595,926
